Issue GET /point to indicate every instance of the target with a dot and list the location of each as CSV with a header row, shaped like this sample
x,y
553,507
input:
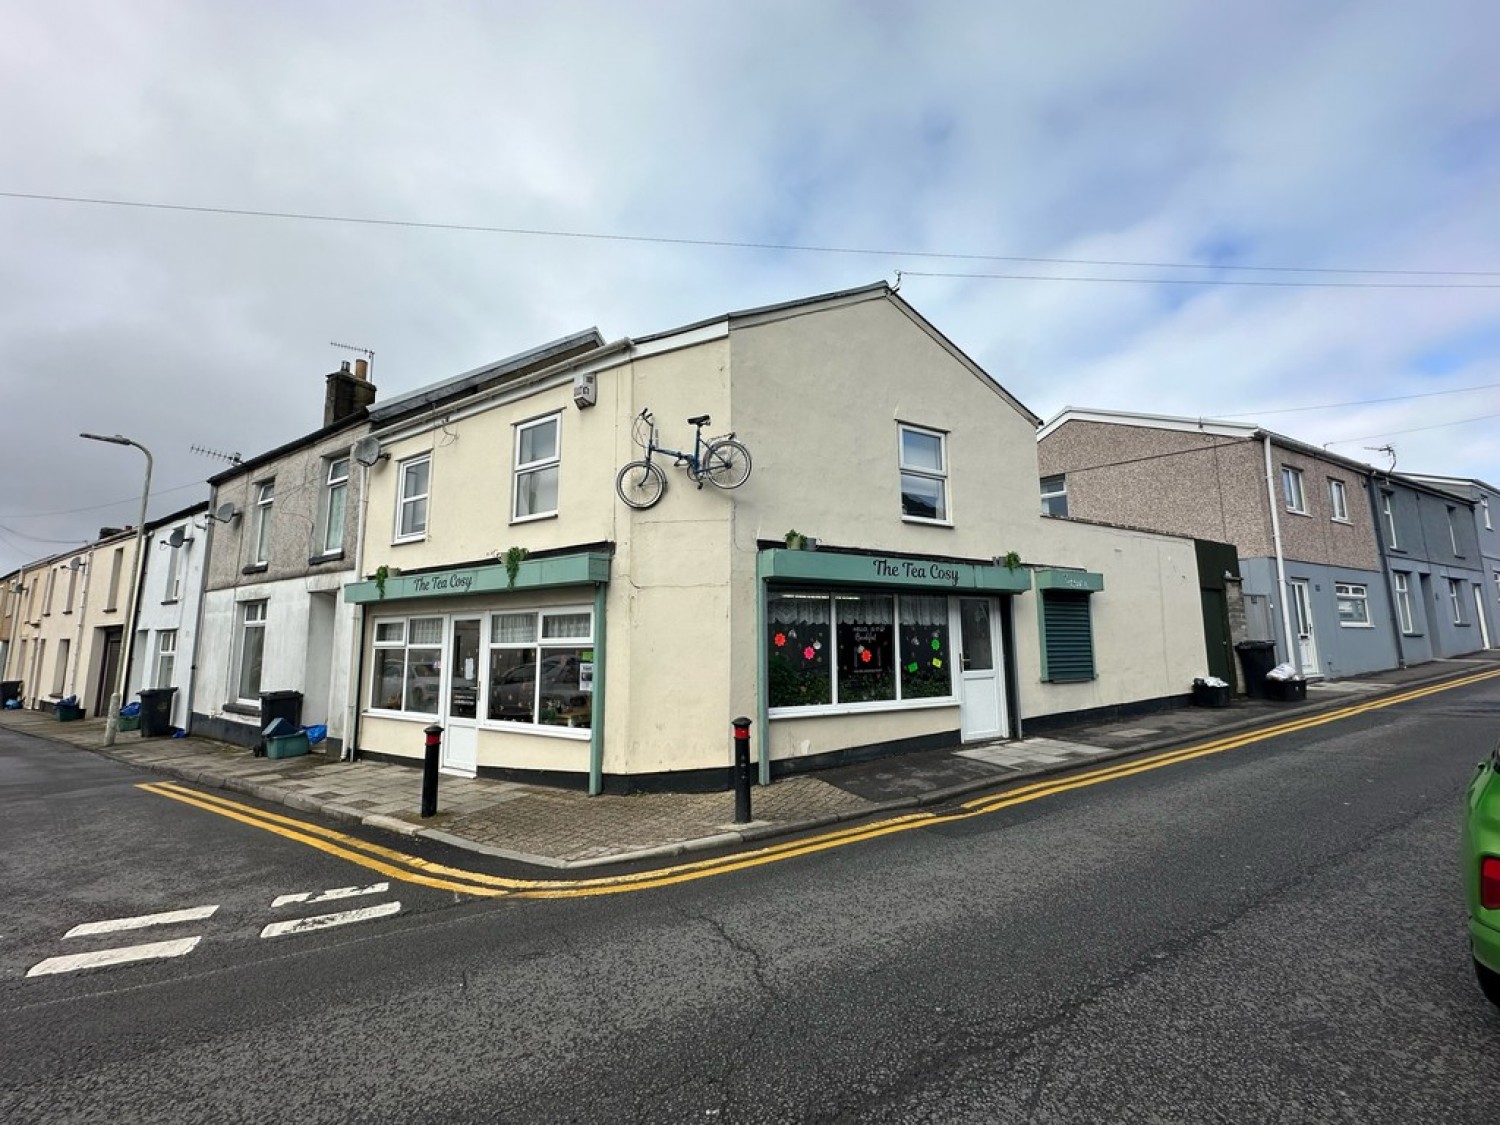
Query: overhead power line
x,y
1223,281
1360,402
101,507
734,244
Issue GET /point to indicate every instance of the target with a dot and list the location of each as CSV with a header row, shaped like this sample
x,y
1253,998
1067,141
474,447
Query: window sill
x,y
171,601
254,568
1335,519
409,539
924,520
1355,625
546,730
1395,550
1404,634
861,708
329,557
533,519
241,709
402,716
1298,512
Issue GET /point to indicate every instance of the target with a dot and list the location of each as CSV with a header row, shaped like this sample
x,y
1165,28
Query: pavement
x,y
566,830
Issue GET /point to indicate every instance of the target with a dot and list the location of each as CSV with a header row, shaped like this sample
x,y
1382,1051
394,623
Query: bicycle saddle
x,y
701,420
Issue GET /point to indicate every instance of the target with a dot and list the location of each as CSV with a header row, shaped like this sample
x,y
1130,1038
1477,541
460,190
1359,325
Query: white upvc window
x,y
538,457
1386,510
411,497
408,665
174,570
1291,490
1055,495
1453,530
60,673
1484,507
251,651
1456,600
335,499
166,657
1338,500
265,497
1403,601
541,667
47,601
1353,604
923,458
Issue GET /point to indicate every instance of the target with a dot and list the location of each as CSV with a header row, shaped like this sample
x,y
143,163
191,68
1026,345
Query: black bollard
x,y
741,770
430,770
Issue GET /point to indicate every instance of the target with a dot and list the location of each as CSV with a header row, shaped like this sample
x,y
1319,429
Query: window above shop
x,y
538,458
1291,490
923,459
411,498
1338,500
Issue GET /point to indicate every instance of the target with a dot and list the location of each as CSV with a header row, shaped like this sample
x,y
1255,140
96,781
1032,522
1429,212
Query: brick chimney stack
x,y
348,391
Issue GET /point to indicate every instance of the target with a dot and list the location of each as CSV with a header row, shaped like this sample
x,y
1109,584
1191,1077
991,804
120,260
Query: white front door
x,y
1302,624
981,701
461,695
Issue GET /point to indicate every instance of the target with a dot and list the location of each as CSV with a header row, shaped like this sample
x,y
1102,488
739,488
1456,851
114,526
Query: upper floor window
x,y
73,568
174,570
411,499
1055,495
51,585
1484,508
116,565
1338,500
1386,499
1291,490
265,496
335,497
538,456
924,474
1453,530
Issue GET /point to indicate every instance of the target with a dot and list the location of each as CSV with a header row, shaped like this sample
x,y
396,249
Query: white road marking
x,y
113,925
330,896
152,951
324,921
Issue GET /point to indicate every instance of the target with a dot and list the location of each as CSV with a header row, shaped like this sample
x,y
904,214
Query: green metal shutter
x,y
1067,637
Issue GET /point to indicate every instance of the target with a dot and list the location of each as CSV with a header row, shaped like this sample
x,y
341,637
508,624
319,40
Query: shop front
x,y
510,663
866,653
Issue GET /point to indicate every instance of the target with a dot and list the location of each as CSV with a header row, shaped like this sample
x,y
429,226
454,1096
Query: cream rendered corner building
x,y
556,633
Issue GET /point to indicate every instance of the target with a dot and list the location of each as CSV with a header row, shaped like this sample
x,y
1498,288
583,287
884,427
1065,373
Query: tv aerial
x,y
232,458
366,352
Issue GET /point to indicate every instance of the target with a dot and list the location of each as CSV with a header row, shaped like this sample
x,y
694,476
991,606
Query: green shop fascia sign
x,y
585,569
935,575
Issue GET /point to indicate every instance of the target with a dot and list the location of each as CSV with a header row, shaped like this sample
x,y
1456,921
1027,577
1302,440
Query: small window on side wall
x,y
924,474
1055,496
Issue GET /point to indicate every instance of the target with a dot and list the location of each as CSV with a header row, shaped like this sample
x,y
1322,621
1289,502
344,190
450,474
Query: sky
x,y
1344,157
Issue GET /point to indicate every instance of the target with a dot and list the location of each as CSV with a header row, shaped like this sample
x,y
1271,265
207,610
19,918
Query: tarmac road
x,y
1274,933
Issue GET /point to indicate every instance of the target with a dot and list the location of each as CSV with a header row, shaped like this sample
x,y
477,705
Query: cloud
x,y
1341,135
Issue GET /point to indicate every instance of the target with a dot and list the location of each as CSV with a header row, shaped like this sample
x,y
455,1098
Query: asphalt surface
x,y
1274,933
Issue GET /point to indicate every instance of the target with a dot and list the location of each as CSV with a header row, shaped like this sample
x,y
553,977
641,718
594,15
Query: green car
x,y
1482,873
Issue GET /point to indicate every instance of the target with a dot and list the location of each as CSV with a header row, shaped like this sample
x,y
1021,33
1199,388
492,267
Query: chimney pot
x,y
361,369
344,366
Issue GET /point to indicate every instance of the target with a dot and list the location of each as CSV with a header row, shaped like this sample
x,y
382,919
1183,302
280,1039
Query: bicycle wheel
x,y
726,464
640,484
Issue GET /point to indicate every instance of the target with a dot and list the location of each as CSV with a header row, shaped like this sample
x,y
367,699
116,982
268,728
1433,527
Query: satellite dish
x,y
226,512
76,564
178,537
367,450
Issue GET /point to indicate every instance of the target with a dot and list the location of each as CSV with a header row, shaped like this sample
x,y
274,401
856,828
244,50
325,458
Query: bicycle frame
x,y
693,460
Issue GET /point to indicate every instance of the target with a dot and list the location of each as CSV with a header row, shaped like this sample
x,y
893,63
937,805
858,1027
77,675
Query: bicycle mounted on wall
x,y
719,461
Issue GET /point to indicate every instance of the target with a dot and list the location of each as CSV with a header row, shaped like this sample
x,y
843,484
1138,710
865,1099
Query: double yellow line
x,y
413,869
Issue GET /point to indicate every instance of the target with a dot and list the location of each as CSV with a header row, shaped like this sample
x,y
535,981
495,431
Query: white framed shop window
x,y
541,669
835,652
406,672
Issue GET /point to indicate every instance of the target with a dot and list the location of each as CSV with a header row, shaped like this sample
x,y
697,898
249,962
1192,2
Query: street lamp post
x,y
112,721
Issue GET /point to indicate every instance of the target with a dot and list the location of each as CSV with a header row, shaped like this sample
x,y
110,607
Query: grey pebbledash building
x,y
1311,565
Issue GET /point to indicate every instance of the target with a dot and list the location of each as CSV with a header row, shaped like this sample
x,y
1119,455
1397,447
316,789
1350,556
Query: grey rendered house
x,y
1311,567
281,543
1434,540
